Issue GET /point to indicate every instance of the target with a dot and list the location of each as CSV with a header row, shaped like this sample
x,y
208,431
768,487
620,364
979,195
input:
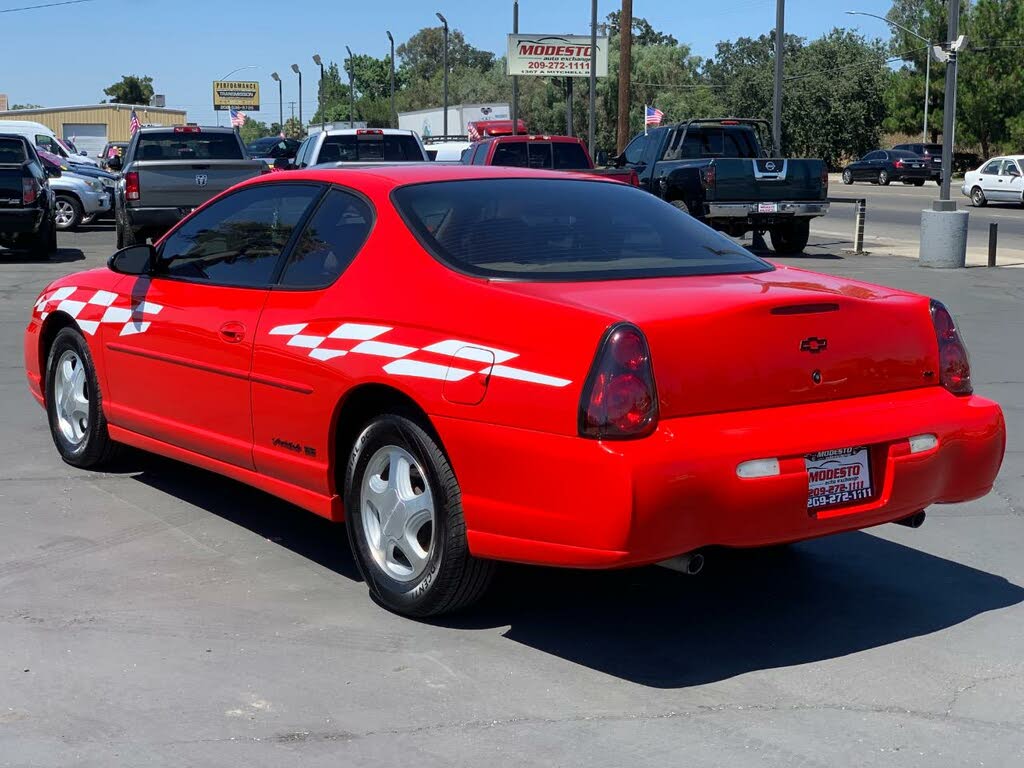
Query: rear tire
x,y
67,213
792,237
74,403
978,199
883,178
847,176
918,182
408,571
682,206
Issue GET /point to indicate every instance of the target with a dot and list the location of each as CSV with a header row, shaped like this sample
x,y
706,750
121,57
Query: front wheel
x,y
404,517
978,199
883,178
847,176
74,404
792,237
67,212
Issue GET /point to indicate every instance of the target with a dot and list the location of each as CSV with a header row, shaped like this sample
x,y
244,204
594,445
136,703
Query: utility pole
x,y
568,107
592,128
780,42
625,73
394,114
515,78
292,105
949,111
444,63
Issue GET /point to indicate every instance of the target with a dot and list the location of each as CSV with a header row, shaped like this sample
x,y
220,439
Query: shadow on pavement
x,y
62,256
749,609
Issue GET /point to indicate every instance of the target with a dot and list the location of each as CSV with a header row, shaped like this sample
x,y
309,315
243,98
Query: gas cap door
x,y
468,374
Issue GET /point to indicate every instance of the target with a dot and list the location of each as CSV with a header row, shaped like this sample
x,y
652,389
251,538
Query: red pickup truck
x,y
559,153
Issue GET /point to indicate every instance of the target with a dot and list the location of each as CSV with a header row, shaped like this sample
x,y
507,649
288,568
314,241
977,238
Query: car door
x,y
179,344
1014,181
867,167
989,179
305,339
634,156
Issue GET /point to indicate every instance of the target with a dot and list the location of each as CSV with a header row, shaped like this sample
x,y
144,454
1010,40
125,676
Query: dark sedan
x,y
887,165
272,147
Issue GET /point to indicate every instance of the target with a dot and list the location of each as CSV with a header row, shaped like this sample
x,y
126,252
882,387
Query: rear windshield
x,y
903,153
12,152
564,156
370,147
167,145
554,229
712,141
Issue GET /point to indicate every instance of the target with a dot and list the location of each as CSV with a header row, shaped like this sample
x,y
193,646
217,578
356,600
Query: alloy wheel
x,y
71,395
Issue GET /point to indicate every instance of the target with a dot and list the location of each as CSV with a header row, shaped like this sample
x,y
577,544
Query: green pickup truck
x,y
716,170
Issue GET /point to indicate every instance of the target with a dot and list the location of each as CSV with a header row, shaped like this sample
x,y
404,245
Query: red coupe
x,y
479,364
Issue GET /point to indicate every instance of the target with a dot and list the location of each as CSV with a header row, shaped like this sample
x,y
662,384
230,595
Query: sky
x,y
186,44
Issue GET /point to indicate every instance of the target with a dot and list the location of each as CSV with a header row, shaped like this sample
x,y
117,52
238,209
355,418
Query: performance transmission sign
x,y
236,94
555,55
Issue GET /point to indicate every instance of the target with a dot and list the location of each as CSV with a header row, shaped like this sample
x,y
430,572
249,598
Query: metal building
x,y
92,126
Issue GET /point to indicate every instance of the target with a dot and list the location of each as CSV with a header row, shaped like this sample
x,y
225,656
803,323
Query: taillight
x,y
620,400
29,191
708,178
954,365
899,163
131,185
824,178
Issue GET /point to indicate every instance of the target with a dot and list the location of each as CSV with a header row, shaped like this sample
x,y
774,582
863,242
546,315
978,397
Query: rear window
x,y
12,152
554,229
370,147
903,153
565,156
933,149
167,145
710,141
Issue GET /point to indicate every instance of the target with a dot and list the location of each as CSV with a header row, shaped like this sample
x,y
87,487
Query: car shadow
x,y
749,610
60,256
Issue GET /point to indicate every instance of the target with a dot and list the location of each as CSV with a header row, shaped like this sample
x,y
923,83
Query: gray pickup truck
x,y
166,173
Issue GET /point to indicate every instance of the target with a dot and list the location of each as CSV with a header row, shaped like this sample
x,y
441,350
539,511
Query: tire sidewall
x,y
977,197
70,338
414,597
847,177
75,206
883,178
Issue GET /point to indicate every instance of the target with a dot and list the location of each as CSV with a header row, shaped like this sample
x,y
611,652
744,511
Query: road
x,y
159,615
893,220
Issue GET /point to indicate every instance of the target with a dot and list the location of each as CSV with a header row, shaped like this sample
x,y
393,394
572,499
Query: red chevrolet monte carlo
x,y
476,364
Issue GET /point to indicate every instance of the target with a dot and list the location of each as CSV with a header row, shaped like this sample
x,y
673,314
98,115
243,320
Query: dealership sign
x,y
555,55
236,94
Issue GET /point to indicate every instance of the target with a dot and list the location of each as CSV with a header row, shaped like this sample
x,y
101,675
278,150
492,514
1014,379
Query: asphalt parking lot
x,y
162,616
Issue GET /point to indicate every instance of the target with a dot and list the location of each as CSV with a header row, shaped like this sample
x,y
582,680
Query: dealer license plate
x,y
837,477
767,207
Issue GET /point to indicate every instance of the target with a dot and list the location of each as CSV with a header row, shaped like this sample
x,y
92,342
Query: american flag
x,y
473,132
237,118
652,116
135,124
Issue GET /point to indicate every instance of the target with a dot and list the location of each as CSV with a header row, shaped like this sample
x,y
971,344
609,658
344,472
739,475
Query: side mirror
x,y
602,157
617,161
282,164
133,260
53,171
114,163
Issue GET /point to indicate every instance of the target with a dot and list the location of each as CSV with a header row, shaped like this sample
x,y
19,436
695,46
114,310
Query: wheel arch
x,y
54,323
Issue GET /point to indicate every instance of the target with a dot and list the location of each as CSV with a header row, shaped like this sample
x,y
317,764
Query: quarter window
x,y
238,240
330,241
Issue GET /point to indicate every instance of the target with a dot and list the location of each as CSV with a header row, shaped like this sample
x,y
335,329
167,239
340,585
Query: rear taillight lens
x,y
954,365
708,177
620,400
899,163
29,191
131,185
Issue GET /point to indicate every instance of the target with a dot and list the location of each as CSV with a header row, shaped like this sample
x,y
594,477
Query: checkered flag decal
x,y
92,308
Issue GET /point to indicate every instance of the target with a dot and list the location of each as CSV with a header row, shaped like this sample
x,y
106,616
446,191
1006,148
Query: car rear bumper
x,y
756,211
155,217
20,220
559,500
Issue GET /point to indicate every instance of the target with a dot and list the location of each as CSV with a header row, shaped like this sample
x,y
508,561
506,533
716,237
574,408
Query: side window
x,y
480,158
991,168
511,154
300,156
330,241
47,143
634,152
875,156
238,240
1009,168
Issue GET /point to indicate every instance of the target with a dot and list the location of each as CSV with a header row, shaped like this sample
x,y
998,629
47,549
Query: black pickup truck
x,y
716,170
26,202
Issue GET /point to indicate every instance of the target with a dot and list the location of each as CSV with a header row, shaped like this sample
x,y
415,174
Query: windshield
x,y
370,147
168,145
553,229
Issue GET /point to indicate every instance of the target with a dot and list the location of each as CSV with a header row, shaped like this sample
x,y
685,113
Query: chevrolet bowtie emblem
x,y
814,345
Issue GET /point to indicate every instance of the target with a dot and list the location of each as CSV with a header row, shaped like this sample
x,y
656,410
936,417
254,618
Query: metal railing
x,y
859,216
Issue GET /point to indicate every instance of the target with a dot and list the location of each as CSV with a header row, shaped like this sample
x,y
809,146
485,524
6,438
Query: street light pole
x,y
780,44
280,100
949,110
515,78
320,91
297,71
444,21
351,90
394,114
592,128
927,66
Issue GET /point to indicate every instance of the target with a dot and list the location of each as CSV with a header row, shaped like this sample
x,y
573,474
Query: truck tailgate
x,y
187,183
768,180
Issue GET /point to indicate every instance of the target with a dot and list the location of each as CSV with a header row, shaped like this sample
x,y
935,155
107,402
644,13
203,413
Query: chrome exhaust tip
x,y
915,520
691,564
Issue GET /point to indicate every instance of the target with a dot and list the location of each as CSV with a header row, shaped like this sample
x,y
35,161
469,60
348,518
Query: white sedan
x,y
999,180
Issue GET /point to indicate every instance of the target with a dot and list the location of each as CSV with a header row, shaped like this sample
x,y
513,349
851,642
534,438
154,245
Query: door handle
x,y
232,332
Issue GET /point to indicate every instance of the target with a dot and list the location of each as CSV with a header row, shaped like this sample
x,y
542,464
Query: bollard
x,y
993,241
858,236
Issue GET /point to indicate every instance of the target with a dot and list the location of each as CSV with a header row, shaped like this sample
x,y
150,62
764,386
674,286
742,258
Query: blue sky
x,y
185,44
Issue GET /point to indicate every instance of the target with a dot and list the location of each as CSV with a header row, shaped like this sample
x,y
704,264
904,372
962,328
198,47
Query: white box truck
x,y
430,122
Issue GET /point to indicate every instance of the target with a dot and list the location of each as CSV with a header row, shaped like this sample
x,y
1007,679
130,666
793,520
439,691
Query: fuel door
x,y
468,374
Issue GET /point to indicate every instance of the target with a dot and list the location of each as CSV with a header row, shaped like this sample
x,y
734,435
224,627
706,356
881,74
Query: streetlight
x,y
280,100
297,71
928,60
444,63
229,74
351,90
320,89
394,115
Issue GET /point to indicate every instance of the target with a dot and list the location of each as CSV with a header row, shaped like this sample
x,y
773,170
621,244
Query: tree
x,y
293,129
643,32
422,55
131,89
26,106
252,130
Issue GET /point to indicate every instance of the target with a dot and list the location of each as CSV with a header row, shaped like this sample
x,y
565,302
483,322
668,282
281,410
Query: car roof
x,y
402,174
354,131
535,137
201,128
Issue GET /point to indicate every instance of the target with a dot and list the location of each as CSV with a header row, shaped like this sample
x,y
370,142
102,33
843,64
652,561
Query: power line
x,y
45,5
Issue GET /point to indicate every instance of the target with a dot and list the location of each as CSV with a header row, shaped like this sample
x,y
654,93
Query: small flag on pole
x,y
237,118
135,124
653,116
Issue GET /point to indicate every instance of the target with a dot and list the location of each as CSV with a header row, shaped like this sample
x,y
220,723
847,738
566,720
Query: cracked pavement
x,y
158,615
